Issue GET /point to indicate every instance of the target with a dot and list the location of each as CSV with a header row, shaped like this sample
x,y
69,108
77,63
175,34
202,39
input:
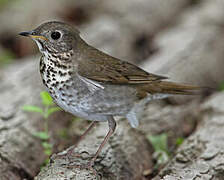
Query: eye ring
x,y
55,35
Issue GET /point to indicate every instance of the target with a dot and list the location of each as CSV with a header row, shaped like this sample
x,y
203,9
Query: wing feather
x,y
104,68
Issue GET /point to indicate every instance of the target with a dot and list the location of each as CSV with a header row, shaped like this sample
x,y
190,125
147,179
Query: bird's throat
x,y
55,75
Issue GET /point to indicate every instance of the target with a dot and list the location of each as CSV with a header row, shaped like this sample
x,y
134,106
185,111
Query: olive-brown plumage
x,y
93,85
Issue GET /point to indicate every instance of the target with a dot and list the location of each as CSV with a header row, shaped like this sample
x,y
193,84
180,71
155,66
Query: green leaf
x,y
46,161
46,98
6,57
41,135
159,142
76,119
63,133
52,110
32,109
47,145
162,157
221,86
179,141
48,152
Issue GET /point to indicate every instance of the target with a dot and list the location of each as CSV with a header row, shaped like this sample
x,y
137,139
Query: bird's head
x,y
54,37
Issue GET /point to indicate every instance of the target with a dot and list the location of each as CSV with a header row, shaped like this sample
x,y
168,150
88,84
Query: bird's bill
x,y
32,35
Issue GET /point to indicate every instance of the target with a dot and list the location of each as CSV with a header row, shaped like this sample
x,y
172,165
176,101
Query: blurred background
x,y
181,39
123,28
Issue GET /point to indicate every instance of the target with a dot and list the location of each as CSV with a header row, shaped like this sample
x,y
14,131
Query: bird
x,y
93,85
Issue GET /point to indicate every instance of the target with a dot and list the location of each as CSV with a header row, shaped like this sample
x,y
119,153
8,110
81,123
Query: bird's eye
x,y
55,35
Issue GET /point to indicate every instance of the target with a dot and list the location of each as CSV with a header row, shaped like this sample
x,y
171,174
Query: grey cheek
x,y
63,46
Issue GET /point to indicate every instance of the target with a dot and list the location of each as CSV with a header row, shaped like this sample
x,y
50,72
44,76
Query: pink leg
x,y
112,127
70,151
87,131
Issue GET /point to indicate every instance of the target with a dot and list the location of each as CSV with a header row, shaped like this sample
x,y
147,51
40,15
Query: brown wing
x,y
104,68
101,67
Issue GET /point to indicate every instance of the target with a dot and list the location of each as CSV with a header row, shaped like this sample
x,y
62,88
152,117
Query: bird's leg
x,y
70,151
86,132
112,127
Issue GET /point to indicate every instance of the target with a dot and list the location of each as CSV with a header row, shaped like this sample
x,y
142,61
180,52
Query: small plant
x,y
221,86
45,111
159,143
179,141
6,58
63,133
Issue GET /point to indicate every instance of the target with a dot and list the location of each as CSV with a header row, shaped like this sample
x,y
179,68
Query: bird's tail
x,y
166,87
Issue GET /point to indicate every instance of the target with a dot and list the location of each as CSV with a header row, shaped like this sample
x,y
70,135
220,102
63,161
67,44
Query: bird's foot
x,y
73,156
68,154
89,166
76,160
